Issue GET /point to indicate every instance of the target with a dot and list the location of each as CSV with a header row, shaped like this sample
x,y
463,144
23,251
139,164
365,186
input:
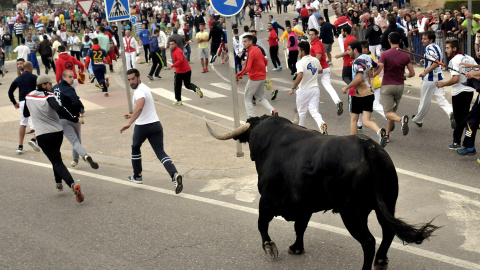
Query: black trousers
x,y
185,78
279,7
325,15
461,107
154,133
292,60
146,49
157,63
50,144
347,75
473,119
75,54
47,61
274,56
305,24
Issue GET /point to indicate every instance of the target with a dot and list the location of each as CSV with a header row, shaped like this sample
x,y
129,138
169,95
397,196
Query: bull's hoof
x,y
294,251
381,264
271,249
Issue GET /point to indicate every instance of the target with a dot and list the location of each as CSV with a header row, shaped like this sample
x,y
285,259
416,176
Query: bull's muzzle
x,y
227,136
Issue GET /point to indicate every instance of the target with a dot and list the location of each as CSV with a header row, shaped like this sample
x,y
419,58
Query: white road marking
x,y
167,94
464,211
283,80
207,93
227,86
409,249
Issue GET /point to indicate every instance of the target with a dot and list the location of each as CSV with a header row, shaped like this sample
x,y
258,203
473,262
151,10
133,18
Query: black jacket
x,y
390,29
67,97
45,48
373,34
26,83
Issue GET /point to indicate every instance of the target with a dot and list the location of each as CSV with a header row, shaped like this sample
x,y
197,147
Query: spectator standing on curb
x,y
147,126
7,40
33,46
432,74
25,83
202,39
183,73
131,50
43,106
67,98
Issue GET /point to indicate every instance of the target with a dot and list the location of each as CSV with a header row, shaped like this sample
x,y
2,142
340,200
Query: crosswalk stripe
x,y
167,94
222,85
282,80
208,93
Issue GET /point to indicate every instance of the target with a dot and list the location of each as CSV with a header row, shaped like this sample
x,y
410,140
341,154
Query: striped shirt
x,y
18,29
32,45
433,52
39,25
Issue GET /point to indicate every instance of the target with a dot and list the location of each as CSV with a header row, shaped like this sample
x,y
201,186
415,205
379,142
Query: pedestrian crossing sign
x,y
117,10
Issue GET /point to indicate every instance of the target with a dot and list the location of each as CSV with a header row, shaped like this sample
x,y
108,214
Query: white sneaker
x,y
73,164
34,145
136,180
177,182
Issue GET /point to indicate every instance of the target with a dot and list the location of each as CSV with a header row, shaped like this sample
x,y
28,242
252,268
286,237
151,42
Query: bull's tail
x,y
406,232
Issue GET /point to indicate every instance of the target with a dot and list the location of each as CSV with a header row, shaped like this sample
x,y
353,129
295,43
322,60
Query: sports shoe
x,y
467,151
105,95
19,150
99,86
405,125
453,124
111,71
90,161
254,103
323,129
455,146
148,64
339,108
276,69
46,72
418,124
78,193
274,94
177,103
199,92
136,180
213,59
107,82
157,77
203,70
387,138
223,62
93,79
274,113
280,67
34,145
295,76
177,182
59,187
382,133
359,128
150,77
32,131
206,69
73,164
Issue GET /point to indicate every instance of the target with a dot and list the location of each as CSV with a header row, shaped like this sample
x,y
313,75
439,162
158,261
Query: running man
x,y
147,126
43,106
155,56
99,57
183,73
362,98
67,97
26,82
432,74
308,93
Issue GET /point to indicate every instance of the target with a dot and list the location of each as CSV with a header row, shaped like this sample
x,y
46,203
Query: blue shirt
x,y
97,57
153,44
145,36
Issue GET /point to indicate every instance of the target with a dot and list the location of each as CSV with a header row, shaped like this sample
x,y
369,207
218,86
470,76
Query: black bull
x,y
301,172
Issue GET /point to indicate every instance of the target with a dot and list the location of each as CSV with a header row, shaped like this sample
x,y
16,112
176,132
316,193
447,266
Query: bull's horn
x,y
229,135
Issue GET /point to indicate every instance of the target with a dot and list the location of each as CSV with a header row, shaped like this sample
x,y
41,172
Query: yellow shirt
x,y
285,34
204,35
44,19
376,81
62,18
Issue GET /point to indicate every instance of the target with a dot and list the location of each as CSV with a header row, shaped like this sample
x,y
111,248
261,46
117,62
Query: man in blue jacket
x,y
275,24
155,56
327,30
67,97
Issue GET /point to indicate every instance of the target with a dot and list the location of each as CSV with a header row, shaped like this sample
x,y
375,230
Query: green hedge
x,y
456,5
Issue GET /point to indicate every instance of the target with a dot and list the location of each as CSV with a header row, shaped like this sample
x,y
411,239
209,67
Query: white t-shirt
x,y
455,64
149,114
74,40
309,66
40,37
23,52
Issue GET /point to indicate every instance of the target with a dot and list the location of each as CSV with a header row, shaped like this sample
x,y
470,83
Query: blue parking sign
x,y
227,8
117,10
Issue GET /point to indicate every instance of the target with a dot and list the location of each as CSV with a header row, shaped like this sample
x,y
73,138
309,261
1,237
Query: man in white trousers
x,y
317,50
431,75
308,93
131,50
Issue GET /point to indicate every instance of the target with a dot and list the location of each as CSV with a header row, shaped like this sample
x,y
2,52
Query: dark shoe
x,y
383,138
467,151
405,125
59,187
32,131
274,113
453,124
359,128
274,94
158,77
418,124
46,71
455,146
295,76
177,182
90,161
339,108
150,77
34,145
136,180
105,95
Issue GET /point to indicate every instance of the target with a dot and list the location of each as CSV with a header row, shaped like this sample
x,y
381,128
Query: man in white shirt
x,y
421,22
147,126
74,42
308,93
312,20
22,50
131,49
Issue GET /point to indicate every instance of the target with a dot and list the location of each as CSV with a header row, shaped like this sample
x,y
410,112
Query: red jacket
x,y
316,48
181,64
342,20
273,38
64,62
254,64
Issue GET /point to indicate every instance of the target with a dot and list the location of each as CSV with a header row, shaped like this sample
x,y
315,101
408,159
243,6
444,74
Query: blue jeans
x,y
188,52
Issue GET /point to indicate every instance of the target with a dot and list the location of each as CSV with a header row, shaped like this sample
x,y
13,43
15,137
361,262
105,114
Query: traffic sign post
x,y
85,5
117,10
229,8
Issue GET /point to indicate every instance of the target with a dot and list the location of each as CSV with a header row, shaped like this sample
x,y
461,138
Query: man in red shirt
x,y
317,49
347,60
304,17
255,66
273,43
66,61
183,73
